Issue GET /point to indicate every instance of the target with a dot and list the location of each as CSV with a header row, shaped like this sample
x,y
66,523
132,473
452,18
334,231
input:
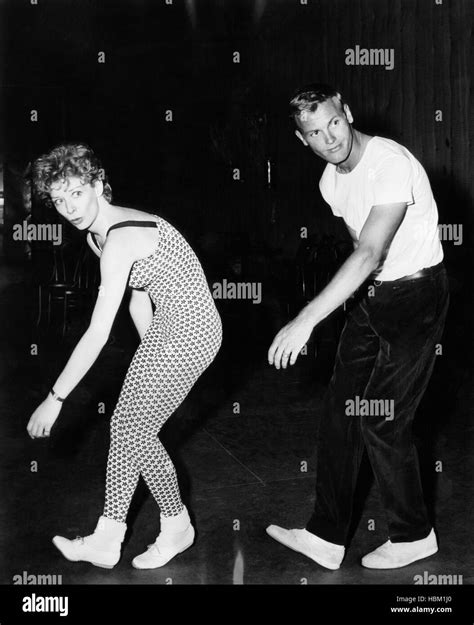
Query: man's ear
x,y
348,113
300,137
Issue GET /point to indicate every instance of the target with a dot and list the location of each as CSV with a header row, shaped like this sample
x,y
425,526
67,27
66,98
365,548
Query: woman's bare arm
x,y
141,311
115,264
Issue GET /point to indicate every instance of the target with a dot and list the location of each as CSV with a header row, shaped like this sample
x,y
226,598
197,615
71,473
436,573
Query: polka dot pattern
x,y
180,344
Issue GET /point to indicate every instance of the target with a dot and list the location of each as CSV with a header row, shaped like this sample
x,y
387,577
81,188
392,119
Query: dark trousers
x,y
386,352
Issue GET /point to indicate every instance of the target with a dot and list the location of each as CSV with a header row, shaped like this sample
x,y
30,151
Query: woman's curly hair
x,y
64,161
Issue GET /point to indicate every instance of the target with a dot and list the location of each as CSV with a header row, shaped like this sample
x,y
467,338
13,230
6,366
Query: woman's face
x,y
76,201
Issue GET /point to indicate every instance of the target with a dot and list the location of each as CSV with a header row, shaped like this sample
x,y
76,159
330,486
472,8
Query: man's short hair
x,y
307,98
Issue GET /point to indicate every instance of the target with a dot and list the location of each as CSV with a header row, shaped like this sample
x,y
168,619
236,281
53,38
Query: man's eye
x,y
76,193
314,133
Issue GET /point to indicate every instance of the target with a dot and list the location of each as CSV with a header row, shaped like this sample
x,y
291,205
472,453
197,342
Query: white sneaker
x,y
102,548
321,551
395,555
165,547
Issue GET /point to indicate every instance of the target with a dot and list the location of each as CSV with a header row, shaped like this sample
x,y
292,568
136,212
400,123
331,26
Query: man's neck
x,y
359,143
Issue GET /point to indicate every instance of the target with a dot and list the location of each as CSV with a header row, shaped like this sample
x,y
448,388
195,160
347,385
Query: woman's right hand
x,y
43,418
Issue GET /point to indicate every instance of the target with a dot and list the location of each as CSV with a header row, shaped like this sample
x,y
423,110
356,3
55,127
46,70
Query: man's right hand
x,y
289,342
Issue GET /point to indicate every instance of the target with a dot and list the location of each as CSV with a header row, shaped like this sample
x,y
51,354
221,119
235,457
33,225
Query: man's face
x,y
327,130
76,201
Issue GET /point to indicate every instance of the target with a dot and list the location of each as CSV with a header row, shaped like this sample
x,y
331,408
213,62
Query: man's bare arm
x,y
374,241
355,240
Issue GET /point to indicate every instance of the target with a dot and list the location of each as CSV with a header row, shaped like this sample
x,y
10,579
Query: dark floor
x,y
238,472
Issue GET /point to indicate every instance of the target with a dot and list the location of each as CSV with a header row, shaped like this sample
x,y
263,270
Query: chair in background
x,y
72,283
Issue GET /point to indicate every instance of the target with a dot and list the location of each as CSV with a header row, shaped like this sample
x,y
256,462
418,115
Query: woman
x,y
178,342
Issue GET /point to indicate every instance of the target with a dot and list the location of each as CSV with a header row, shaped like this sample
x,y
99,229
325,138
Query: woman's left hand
x,y
43,418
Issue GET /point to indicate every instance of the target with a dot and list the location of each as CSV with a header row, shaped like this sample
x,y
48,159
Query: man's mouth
x,y
338,147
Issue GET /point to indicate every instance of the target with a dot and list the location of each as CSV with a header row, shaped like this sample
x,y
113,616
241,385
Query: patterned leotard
x,y
181,342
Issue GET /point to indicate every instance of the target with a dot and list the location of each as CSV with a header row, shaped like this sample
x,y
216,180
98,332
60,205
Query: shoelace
x,y
155,546
79,539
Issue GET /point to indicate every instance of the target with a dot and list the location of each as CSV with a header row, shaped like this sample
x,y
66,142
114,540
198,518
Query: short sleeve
x,y
392,180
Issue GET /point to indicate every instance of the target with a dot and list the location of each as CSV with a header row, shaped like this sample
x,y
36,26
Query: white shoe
x,y
395,555
176,535
321,551
161,552
102,548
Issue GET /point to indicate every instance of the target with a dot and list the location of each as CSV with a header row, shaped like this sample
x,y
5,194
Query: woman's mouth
x,y
76,221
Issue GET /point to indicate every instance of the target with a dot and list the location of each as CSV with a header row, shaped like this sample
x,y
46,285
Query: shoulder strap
x,y
93,237
125,224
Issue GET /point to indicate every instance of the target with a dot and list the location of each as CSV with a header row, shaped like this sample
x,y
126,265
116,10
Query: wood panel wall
x,y
158,58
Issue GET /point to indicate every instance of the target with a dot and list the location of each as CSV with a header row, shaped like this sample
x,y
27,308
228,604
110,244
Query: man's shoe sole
x,y
320,562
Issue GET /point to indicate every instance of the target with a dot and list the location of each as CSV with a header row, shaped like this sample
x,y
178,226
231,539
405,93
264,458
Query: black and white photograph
x,y
236,294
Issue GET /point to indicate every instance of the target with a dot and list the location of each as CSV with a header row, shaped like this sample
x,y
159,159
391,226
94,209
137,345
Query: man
x,y
387,348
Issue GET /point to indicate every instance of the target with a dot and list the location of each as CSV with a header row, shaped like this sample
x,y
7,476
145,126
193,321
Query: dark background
x,y
227,115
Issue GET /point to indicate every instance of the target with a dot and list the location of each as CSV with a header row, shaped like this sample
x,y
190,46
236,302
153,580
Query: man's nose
x,y
330,138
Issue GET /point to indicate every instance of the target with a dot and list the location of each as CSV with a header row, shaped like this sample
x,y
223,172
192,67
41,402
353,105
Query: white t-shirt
x,y
388,173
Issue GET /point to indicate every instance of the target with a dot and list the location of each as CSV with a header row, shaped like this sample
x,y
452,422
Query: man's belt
x,y
422,273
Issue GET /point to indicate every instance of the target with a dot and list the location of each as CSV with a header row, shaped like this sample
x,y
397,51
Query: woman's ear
x,y
99,188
